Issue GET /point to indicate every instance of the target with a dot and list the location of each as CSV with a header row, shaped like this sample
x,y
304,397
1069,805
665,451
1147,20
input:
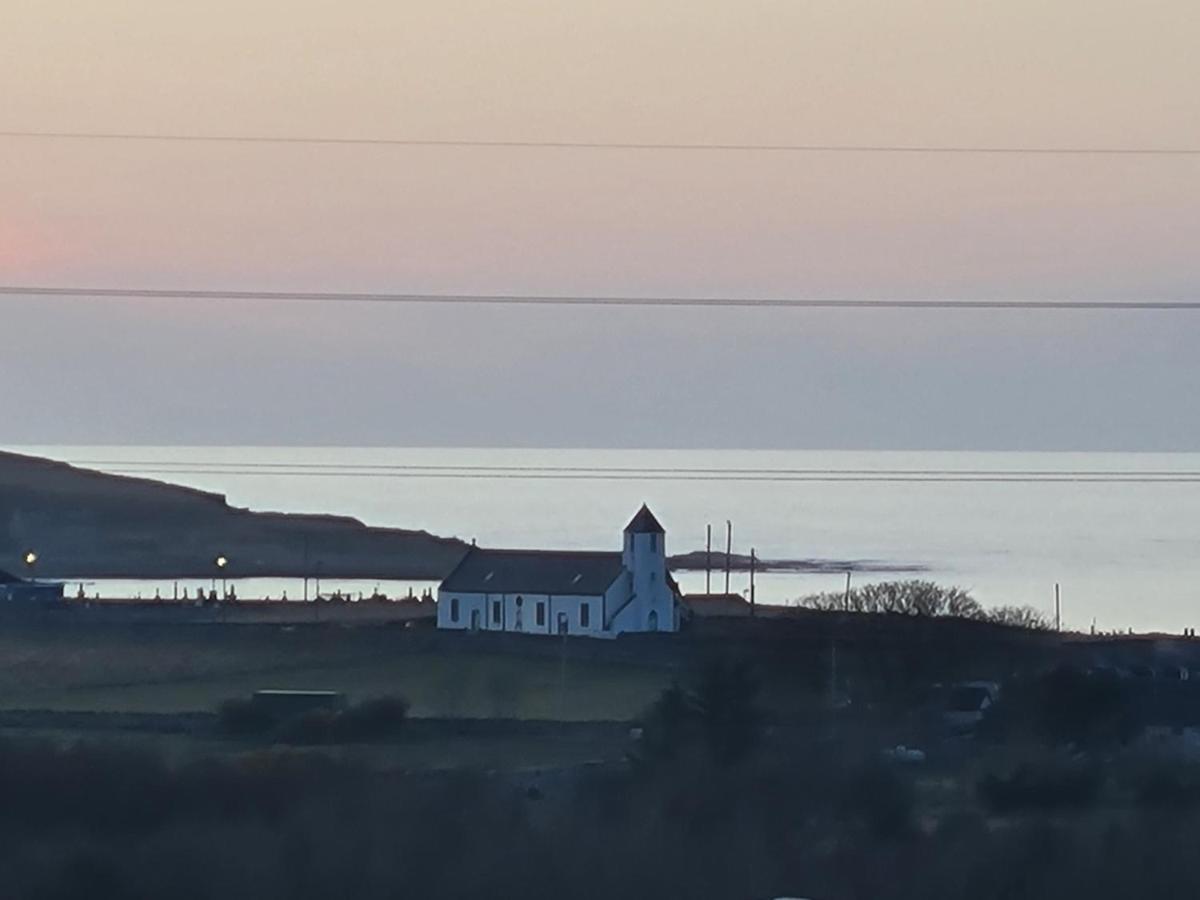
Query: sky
x,y
1021,73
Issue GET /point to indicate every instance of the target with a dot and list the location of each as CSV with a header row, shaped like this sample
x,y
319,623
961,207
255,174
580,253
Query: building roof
x,y
717,604
9,578
484,571
644,523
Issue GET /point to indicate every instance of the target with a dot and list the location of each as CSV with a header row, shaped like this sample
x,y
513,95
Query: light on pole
x,y
31,559
222,562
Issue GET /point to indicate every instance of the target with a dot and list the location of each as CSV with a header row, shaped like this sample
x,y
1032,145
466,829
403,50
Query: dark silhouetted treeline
x,y
108,823
915,597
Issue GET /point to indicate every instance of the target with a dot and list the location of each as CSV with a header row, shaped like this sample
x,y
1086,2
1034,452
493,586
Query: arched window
x,y
652,621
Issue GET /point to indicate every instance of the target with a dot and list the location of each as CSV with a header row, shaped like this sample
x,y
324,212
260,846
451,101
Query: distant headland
x,y
84,523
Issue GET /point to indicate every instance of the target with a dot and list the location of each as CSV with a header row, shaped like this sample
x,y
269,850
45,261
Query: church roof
x,y
9,578
644,523
484,571
722,605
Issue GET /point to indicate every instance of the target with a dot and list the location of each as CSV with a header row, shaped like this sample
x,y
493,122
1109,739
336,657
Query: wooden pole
x,y
306,568
728,552
752,582
708,561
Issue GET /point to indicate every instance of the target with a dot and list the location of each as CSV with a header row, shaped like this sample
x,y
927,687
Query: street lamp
x,y
222,562
31,559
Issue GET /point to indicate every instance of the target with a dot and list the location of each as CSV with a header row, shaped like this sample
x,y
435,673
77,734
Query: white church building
x,y
591,594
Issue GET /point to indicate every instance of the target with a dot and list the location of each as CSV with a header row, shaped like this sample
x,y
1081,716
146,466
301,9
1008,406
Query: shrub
x,y
368,721
1084,708
1066,785
373,719
883,799
666,727
244,717
317,726
726,703
1166,786
721,711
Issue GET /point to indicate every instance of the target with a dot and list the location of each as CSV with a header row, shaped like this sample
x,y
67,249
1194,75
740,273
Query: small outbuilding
x,y
27,591
716,606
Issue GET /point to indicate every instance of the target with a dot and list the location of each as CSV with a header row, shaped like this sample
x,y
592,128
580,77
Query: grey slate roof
x,y
644,523
534,572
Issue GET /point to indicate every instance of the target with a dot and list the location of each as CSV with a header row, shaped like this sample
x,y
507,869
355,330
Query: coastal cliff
x,y
84,523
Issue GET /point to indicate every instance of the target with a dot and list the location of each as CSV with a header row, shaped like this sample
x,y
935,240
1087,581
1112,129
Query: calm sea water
x,y
1119,532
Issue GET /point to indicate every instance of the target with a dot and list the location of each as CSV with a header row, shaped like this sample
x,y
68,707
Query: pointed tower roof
x,y
644,523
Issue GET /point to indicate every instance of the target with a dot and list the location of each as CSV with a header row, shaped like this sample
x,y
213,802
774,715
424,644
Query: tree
x,y
1086,709
1018,617
923,598
726,702
721,712
666,727
962,605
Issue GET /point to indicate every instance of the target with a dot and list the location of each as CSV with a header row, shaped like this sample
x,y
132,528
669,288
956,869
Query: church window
x,y
585,615
541,614
453,609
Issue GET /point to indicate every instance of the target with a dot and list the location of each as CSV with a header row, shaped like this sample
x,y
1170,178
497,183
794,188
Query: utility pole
x,y
846,600
563,628
317,598
305,569
751,582
708,560
1057,608
728,552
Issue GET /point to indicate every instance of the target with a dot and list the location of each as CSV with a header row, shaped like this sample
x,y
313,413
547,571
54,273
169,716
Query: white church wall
x,y
459,611
519,613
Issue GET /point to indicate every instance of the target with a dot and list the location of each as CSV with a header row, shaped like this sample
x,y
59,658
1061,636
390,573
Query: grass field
x,y
163,668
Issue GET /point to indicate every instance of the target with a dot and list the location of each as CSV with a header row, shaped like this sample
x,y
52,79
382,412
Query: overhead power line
x,y
592,300
671,146
267,468
740,476
533,476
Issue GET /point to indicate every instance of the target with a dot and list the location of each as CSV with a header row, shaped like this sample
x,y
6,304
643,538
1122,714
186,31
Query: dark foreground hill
x,y
83,523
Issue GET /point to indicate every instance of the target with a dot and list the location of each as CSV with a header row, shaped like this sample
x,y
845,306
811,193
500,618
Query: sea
x,y
1118,533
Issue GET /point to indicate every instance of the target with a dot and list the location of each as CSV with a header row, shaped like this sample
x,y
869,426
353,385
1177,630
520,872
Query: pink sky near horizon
x,y
909,72
854,71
